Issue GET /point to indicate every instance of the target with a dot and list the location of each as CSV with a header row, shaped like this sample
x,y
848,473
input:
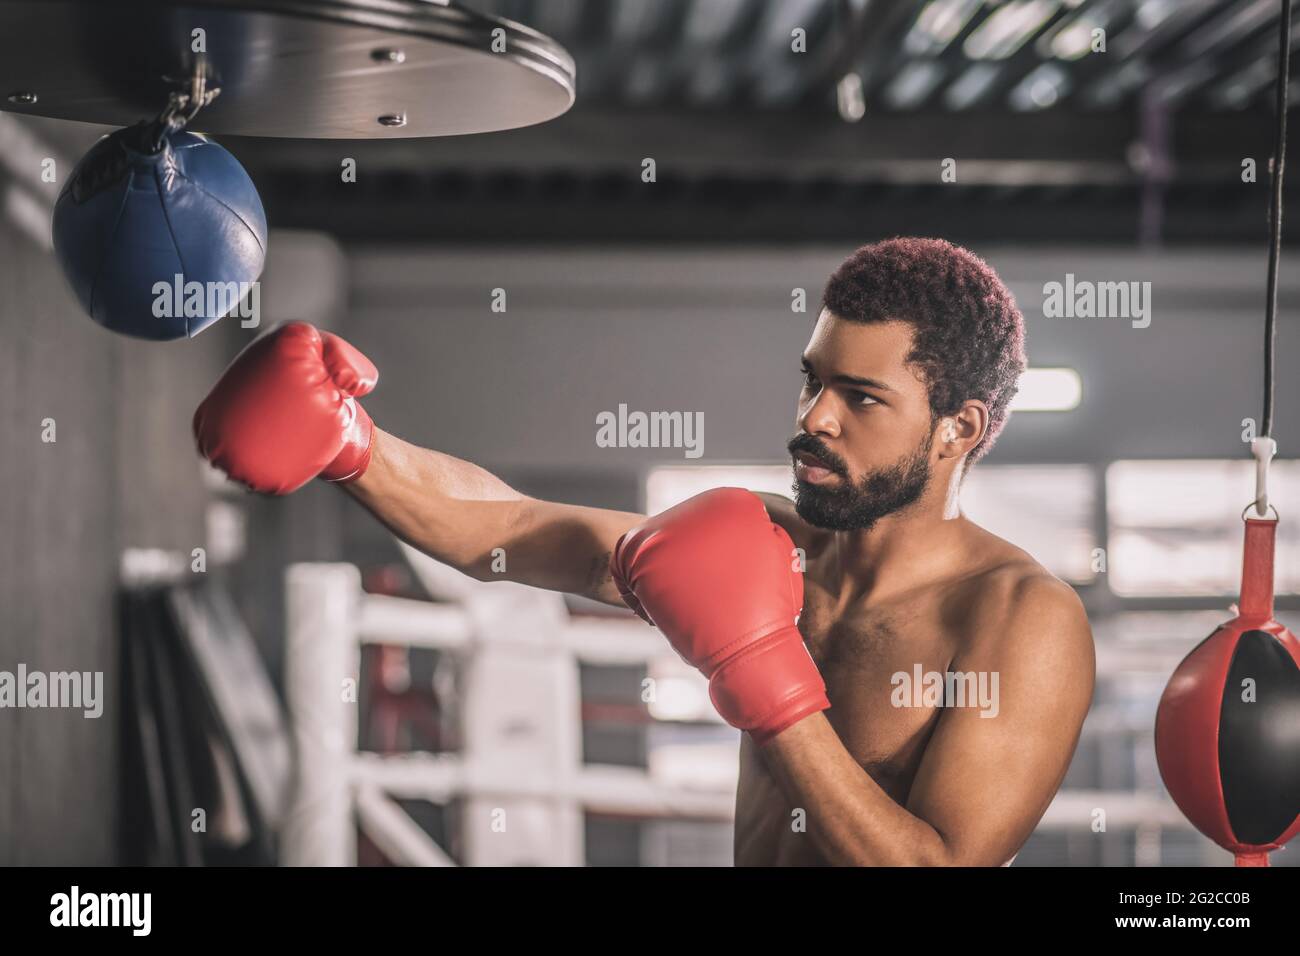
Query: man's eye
x,y
862,398
809,379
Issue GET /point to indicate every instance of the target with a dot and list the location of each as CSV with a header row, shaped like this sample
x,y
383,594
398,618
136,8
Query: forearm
x,y
852,821
451,509
473,521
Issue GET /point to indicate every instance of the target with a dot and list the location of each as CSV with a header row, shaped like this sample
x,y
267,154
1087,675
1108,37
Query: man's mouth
x,y
810,468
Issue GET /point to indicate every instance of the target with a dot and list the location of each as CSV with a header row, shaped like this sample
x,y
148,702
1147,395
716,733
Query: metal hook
x,y
1263,448
183,105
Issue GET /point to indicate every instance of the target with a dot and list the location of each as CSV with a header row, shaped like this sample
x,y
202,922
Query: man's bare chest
x,y
869,659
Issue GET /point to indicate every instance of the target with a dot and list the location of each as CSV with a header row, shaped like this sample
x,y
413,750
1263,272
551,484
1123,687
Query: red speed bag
x,y
1228,724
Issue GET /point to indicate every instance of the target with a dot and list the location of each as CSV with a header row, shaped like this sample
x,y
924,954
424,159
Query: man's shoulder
x,y
783,514
1016,599
1013,581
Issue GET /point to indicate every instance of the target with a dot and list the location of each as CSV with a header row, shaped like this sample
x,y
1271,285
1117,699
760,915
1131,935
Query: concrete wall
x,y
711,330
122,473
586,329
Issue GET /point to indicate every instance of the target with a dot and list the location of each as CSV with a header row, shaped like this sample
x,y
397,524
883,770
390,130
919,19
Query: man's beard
x,y
857,507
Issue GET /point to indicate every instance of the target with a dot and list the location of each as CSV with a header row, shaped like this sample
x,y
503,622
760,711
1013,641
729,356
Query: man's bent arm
x,y
984,782
460,514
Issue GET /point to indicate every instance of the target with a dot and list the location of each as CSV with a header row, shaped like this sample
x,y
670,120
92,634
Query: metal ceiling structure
x,y
1018,55
1064,120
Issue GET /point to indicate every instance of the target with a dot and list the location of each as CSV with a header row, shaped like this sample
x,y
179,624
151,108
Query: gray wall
x,y
694,330
711,330
122,474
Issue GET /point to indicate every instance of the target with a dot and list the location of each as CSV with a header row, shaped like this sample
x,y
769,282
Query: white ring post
x,y
518,778
322,670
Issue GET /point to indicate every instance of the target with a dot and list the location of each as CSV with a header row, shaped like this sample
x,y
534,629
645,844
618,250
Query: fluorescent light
x,y
1008,28
971,86
1040,89
938,25
1074,41
1048,390
912,84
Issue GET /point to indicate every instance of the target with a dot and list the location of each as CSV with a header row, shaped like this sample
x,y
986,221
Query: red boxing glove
x,y
719,579
284,412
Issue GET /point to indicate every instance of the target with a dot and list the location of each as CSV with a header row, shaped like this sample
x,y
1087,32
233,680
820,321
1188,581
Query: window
x,y
1046,509
673,484
1175,526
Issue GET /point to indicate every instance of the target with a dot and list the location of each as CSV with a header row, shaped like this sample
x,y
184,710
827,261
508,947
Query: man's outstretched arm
x,y
460,514
287,410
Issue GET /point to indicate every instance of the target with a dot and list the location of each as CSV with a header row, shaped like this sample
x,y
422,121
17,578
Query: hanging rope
x,y
1264,447
1275,212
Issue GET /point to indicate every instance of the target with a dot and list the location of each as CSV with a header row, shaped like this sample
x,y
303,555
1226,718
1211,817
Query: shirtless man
x,y
906,383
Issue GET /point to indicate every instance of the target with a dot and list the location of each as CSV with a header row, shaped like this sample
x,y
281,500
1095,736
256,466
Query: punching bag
x,y
1228,726
145,212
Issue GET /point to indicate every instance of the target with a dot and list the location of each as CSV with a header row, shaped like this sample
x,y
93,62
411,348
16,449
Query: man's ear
x,y
961,432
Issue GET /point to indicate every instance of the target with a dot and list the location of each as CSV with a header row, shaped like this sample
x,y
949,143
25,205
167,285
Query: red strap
x,y
1257,569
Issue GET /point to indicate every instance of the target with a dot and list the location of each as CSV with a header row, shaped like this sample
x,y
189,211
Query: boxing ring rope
x,y
520,776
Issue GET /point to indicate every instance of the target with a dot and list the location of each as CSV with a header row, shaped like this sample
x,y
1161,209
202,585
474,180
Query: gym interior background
x,y
676,294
